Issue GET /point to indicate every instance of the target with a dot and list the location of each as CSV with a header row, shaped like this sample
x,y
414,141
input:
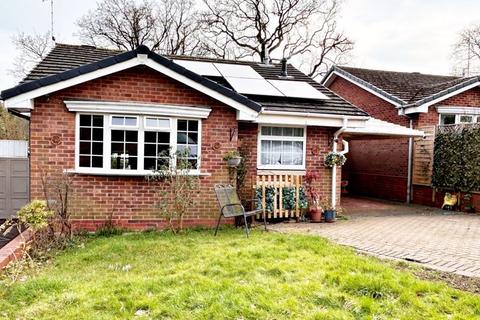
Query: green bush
x,y
456,163
35,214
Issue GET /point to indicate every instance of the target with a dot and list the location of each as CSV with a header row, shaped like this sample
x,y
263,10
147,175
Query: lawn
x,y
197,276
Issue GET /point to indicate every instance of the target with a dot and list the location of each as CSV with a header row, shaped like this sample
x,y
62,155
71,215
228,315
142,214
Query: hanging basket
x,y
333,159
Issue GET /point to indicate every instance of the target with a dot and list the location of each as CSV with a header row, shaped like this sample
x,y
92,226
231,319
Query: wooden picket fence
x,y
279,182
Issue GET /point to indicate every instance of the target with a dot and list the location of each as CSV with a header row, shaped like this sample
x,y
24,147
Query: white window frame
x,y
140,128
260,137
458,112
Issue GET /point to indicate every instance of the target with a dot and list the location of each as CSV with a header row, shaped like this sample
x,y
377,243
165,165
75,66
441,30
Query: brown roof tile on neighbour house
x,y
409,87
65,58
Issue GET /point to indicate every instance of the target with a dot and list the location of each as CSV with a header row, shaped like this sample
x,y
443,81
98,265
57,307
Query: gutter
x,y
334,168
410,166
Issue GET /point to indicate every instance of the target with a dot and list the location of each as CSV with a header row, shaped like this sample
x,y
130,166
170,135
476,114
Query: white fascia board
x,y
137,108
423,108
74,81
330,79
299,119
139,60
384,128
458,110
21,106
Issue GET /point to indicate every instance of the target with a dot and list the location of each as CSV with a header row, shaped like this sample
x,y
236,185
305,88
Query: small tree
x,y
175,187
32,48
59,195
466,52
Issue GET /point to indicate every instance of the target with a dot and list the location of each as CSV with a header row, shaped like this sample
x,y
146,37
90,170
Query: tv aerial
x,y
51,19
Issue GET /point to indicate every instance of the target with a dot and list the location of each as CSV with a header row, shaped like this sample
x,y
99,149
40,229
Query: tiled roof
x,y
409,87
64,57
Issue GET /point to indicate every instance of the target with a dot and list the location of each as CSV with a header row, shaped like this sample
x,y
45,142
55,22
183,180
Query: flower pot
x,y
315,215
329,215
234,161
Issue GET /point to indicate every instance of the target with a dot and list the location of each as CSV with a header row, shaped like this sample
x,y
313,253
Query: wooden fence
x,y
279,182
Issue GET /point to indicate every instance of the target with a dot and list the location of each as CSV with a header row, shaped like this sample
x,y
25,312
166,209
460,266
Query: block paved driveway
x,y
414,233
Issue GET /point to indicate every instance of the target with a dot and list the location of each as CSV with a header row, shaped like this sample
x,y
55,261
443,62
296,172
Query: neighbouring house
x,y
104,116
401,169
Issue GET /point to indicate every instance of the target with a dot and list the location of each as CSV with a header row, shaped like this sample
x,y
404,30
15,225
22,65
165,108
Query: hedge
x,y
456,163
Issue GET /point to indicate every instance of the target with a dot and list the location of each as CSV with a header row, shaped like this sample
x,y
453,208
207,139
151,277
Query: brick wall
x,y
319,142
129,198
375,167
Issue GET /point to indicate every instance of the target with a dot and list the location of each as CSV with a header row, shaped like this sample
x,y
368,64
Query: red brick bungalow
x,y
383,168
89,106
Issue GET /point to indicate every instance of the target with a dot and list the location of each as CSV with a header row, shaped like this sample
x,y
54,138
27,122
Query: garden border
x,y
14,249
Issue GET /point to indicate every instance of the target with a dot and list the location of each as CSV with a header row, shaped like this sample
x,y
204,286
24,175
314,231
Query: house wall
x,y
471,98
130,200
375,167
319,142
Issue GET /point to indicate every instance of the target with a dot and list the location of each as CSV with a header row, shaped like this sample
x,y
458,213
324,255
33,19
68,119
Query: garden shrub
x,y
288,198
35,215
456,163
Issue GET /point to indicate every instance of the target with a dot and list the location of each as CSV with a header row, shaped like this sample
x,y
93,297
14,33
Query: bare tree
x,y
304,29
168,26
32,48
466,52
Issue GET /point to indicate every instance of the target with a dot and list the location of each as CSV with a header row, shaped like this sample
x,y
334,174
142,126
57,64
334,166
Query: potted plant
x,y
233,158
329,211
313,197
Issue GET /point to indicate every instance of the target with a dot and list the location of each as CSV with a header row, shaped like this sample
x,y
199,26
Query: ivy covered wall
x,y
456,164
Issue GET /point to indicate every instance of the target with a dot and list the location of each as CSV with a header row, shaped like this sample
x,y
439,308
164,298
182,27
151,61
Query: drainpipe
x,y
334,169
409,167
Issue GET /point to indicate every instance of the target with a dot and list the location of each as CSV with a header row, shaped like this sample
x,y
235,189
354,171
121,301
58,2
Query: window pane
x,y
98,121
130,121
287,132
131,136
85,134
193,138
118,135
131,163
151,122
149,164
192,125
150,136
182,125
85,161
267,131
181,137
97,134
466,119
276,131
117,148
298,132
163,149
150,150
85,148
164,137
118,121
97,148
478,118
131,149
97,162
447,119
193,151
85,120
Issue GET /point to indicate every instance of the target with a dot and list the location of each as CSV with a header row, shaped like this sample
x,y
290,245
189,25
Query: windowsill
x,y
128,173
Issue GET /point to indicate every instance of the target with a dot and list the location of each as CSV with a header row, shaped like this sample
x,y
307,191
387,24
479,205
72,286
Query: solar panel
x,y
253,86
200,67
297,89
237,71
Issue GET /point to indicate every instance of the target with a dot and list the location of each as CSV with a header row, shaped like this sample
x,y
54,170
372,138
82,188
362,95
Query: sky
x,y
401,35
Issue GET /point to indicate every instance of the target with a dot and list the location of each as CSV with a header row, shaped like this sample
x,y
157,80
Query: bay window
x,y
458,115
282,148
126,144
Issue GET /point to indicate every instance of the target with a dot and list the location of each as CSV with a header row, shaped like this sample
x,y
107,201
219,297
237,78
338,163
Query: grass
x,y
196,276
